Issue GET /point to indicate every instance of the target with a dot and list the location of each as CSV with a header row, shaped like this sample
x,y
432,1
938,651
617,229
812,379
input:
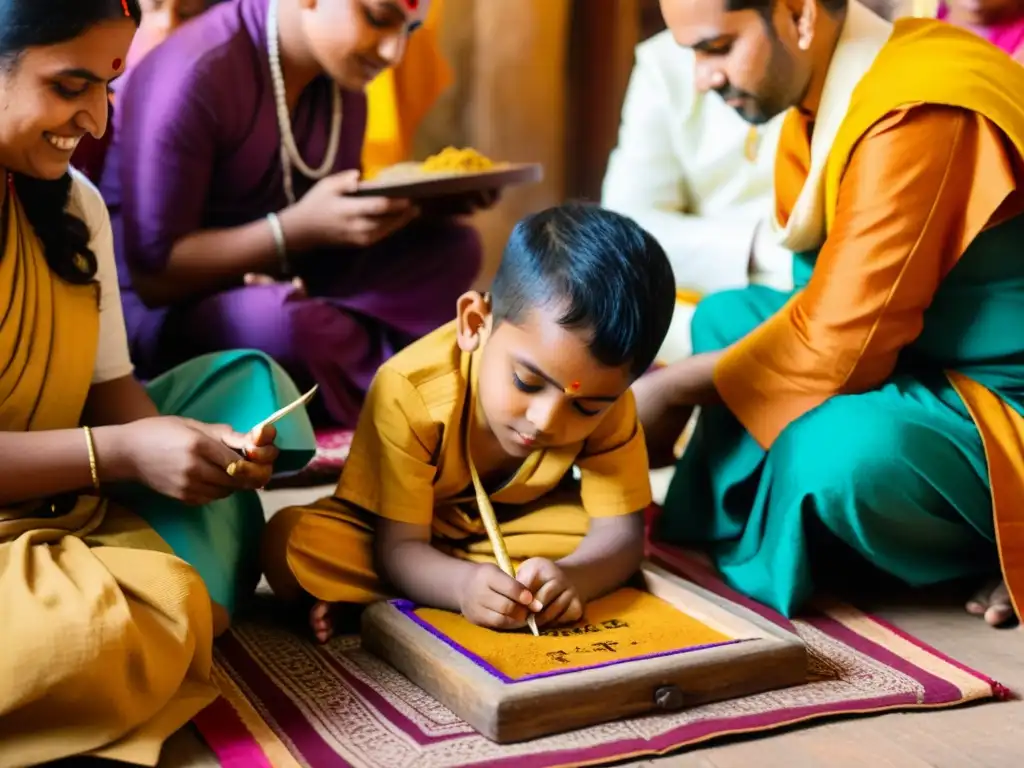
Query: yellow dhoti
x,y
327,549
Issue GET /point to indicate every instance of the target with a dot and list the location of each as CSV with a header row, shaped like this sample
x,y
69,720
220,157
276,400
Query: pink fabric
x,y
228,737
1009,35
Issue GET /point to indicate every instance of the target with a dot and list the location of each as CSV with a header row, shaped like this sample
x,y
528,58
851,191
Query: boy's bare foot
x,y
321,620
993,603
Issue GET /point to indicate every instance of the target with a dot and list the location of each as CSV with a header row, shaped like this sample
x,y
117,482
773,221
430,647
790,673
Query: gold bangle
x,y
92,458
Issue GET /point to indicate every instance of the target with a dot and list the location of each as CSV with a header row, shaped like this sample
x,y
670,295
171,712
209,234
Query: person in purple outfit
x,y
1001,22
236,146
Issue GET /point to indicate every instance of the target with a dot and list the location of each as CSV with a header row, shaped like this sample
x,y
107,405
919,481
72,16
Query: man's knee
x,y
842,441
853,457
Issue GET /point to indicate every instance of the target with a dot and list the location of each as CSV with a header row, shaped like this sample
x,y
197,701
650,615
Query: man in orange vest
x,y
873,417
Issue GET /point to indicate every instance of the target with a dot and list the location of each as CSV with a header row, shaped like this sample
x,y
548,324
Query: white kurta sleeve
x,y
112,358
646,182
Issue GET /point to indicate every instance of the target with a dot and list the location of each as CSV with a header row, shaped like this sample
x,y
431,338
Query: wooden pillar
x,y
447,124
603,38
517,105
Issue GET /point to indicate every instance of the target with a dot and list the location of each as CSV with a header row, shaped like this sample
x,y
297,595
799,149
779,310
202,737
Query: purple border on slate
x,y
408,609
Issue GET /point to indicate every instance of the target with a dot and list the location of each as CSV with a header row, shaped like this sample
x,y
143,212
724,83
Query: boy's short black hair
x,y
606,273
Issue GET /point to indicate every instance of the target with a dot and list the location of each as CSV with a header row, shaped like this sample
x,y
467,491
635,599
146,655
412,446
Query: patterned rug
x,y
288,703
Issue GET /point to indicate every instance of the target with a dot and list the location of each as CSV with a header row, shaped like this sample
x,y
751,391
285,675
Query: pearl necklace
x,y
289,150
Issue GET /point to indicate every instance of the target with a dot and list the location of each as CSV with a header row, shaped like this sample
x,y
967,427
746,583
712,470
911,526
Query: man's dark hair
x,y
606,275
764,7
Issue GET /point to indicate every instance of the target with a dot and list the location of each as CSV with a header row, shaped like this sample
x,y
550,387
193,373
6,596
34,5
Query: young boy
x,y
527,382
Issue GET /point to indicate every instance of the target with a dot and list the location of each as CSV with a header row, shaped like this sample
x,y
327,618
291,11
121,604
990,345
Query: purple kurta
x,y
196,146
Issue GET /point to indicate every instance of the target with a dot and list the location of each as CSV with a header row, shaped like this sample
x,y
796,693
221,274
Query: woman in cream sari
x,y
129,522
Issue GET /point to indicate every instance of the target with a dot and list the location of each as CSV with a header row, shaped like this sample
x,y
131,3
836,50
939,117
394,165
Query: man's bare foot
x,y
993,603
321,620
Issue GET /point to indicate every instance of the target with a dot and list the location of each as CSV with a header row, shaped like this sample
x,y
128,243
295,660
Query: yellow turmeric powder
x,y
466,160
626,624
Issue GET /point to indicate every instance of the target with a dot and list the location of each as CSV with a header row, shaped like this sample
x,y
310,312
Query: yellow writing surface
x,y
627,624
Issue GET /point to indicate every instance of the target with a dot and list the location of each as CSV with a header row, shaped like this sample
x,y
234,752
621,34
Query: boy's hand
x,y
491,599
559,599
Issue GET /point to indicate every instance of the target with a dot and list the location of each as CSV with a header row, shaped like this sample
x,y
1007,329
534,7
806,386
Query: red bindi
x,y
116,64
413,4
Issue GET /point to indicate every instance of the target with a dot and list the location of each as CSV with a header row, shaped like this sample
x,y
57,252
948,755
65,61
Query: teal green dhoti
x,y
897,474
221,540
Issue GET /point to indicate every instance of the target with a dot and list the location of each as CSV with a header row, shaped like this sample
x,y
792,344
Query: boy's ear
x,y
473,320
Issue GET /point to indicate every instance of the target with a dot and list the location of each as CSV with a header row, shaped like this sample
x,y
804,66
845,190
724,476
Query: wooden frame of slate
x,y
769,658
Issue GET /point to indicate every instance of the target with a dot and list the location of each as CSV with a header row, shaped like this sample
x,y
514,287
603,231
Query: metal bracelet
x,y
279,243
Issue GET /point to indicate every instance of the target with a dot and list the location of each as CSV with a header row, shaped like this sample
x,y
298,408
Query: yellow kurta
x,y
106,638
409,463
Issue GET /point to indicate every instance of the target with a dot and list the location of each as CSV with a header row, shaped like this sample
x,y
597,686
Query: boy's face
x,y
539,386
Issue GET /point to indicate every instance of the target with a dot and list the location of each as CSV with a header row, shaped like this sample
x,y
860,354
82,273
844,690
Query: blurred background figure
x,y
1001,22
698,177
227,239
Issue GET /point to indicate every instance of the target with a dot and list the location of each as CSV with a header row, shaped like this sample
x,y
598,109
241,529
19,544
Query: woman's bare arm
x,y
38,465
190,271
119,401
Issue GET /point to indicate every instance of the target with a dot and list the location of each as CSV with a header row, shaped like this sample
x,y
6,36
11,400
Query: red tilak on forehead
x,y
413,4
116,64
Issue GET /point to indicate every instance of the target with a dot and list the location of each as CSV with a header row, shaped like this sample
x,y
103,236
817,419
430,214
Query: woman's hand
x,y
184,459
329,215
259,450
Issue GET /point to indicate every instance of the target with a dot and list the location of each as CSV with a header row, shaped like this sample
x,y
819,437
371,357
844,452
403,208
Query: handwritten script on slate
x,y
627,624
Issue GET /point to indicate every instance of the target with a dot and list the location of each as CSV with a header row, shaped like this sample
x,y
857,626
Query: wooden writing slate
x,y
661,644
